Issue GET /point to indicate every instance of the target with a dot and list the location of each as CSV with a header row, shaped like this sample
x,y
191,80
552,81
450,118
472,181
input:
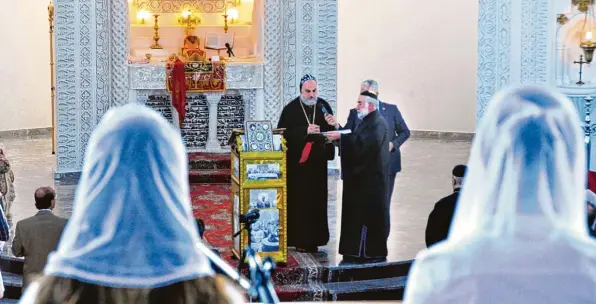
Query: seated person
x,y
440,218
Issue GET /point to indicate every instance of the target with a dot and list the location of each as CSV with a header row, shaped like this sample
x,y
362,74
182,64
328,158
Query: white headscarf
x,y
519,233
132,225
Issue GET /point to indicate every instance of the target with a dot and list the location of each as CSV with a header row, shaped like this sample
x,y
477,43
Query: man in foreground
x,y
37,236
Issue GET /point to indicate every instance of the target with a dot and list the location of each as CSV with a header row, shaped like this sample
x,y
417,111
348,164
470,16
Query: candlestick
x,y
156,45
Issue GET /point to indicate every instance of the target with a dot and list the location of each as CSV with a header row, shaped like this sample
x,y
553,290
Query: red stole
x,y
178,83
305,152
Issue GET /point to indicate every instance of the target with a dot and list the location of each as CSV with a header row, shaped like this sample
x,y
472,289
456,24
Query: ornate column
x,y
273,60
213,144
119,31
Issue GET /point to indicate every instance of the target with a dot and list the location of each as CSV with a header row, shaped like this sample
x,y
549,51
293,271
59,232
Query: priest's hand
x,y
331,120
391,146
313,129
333,135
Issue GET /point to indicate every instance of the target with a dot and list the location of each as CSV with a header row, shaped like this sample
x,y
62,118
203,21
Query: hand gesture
x,y
333,135
313,129
331,120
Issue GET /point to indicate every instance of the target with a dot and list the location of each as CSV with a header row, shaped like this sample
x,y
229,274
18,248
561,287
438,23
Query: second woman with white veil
x,y
519,233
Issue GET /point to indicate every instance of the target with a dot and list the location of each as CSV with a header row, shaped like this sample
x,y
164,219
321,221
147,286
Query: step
x,y
209,161
388,289
217,176
369,290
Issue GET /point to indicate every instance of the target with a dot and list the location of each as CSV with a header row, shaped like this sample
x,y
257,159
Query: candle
x,y
589,36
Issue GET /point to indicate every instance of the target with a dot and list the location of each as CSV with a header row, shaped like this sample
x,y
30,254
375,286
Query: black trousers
x,y
390,184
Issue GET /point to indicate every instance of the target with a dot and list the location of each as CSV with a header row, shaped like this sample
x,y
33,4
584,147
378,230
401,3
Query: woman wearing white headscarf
x,y
131,237
519,234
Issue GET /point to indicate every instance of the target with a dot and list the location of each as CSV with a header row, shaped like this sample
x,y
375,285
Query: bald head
x,y
45,198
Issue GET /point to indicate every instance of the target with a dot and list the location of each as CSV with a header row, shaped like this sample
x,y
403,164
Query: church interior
x,y
221,71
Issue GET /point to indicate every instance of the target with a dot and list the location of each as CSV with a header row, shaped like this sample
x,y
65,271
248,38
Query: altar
x,y
109,53
210,116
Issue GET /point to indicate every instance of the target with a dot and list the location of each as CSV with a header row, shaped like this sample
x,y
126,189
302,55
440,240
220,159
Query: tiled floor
x,y
426,177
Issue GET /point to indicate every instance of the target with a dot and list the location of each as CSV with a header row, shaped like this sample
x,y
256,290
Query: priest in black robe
x,y
307,156
365,162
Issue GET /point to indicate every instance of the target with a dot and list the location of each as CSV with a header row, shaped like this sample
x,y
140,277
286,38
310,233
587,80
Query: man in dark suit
x,y
440,218
37,236
397,130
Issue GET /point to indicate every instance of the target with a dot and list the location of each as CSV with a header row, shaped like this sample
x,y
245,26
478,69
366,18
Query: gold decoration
x,y
176,6
225,23
156,45
52,75
242,186
582,5
562,19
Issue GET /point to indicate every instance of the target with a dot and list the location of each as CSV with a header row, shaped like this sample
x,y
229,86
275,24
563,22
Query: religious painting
x,y
236,226
265,231
277,142
262,170
263,198
259,135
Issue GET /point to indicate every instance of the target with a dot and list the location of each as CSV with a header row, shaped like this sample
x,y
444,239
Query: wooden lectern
x,y
259,182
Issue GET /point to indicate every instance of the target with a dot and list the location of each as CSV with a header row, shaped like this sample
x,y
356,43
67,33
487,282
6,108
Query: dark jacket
x,y
439,220
397,130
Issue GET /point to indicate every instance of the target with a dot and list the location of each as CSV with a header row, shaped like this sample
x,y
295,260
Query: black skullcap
x,y
368,94
306,78
459,170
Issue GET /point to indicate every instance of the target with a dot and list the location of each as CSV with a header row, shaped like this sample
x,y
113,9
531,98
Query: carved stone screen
x,y
230,115
195,128
177,6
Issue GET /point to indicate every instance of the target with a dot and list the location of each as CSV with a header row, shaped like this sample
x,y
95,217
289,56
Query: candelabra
x,y
52,75
225,22
156,45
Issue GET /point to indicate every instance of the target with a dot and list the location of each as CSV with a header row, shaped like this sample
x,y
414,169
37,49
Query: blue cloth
x,y
132,224
398,131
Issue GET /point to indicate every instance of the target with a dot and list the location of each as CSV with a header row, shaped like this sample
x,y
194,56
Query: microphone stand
x,y
260,276
224,267
259,272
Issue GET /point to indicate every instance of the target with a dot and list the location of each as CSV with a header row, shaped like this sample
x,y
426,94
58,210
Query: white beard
x,y
362,113
307,102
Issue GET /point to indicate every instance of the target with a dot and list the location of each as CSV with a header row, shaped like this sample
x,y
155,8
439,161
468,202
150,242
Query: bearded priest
x,y
365,163
308,152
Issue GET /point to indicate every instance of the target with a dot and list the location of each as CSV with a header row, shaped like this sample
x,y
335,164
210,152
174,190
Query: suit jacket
x,y
35,238
439,220
397,130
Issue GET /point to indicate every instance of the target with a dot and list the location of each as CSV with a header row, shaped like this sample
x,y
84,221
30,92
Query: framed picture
x,y
259,135
263,170
265,232
263,198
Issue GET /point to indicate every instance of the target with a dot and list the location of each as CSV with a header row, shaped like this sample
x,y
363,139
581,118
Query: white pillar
x,y
213,144
260,105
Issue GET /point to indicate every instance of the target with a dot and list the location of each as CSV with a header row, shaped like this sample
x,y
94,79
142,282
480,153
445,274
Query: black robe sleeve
x,y
361,144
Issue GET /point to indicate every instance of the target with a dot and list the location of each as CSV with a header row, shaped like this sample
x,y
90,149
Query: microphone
x,y
323,109
230,52
250,217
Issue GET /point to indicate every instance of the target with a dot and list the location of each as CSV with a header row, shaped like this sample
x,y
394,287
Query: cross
x,y
581,63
